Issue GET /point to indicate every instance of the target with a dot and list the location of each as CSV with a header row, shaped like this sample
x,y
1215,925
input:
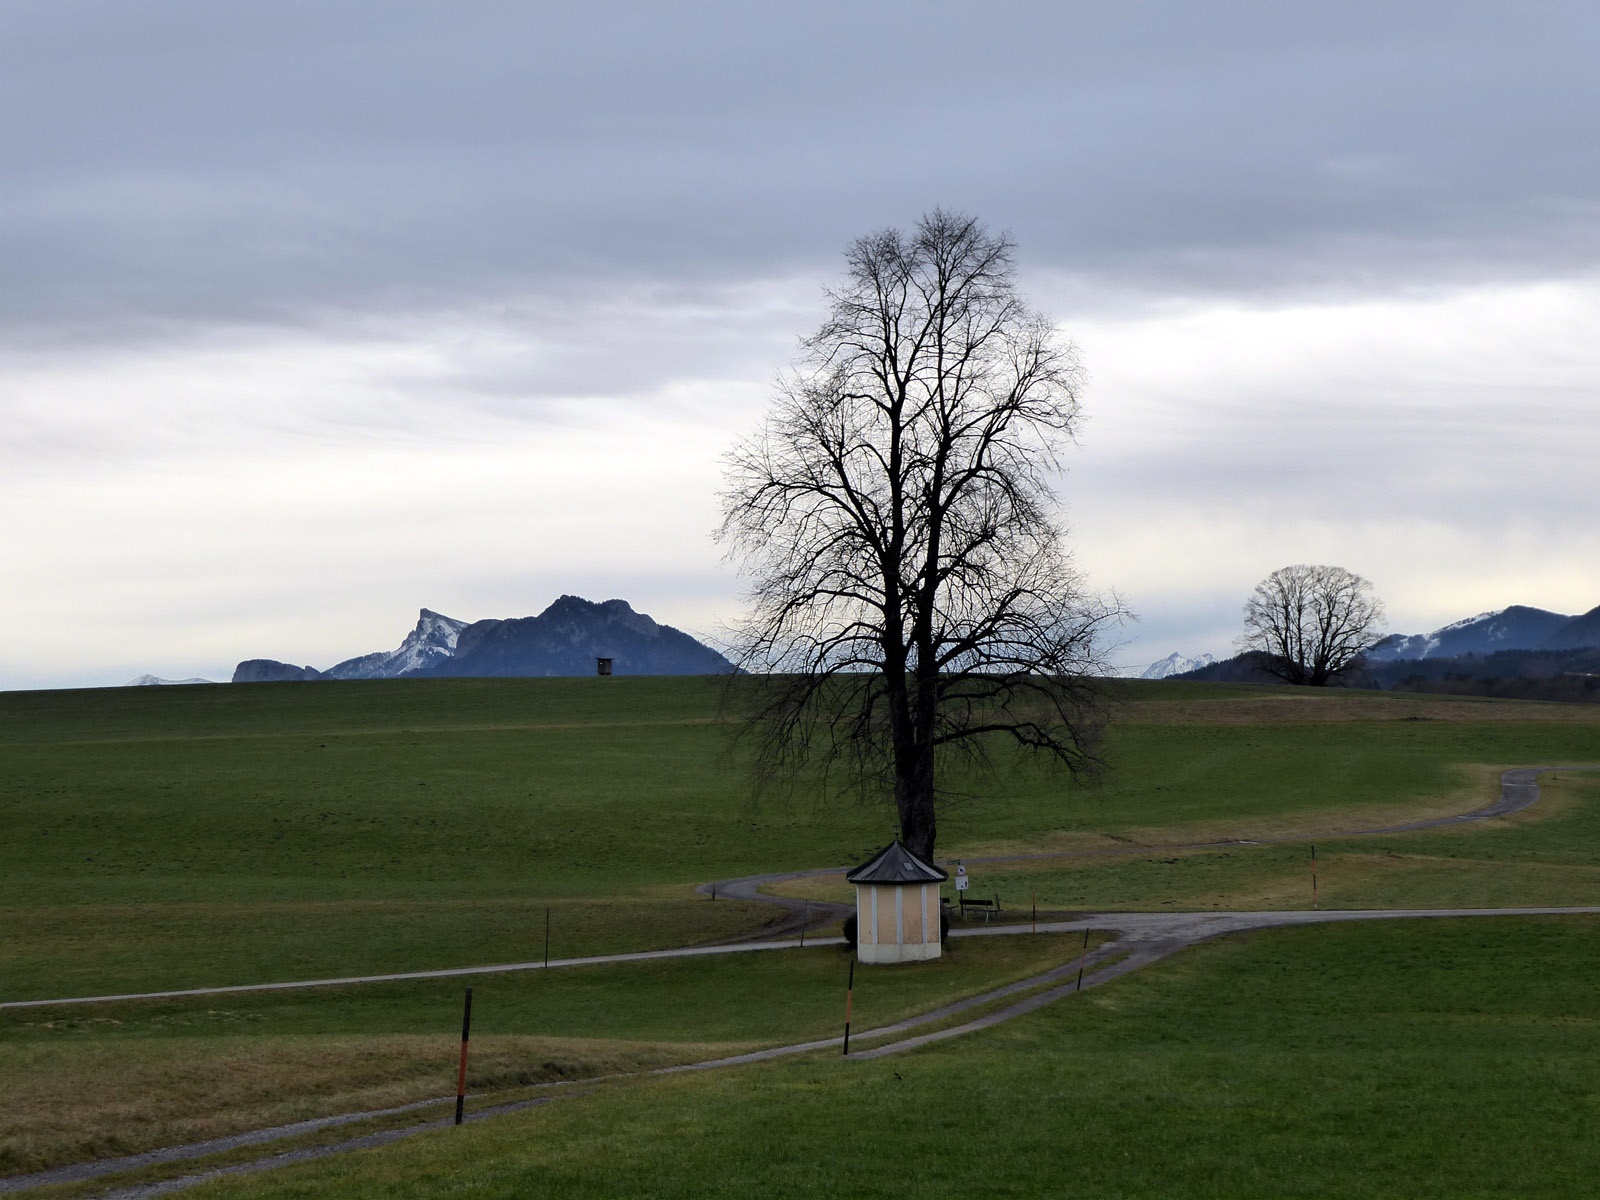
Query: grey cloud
x,y
246,161
218,220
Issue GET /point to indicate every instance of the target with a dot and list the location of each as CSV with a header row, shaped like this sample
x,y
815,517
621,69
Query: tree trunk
x,y
913,794
913,782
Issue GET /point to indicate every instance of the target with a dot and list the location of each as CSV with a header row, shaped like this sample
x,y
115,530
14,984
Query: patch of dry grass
x,y
103,1081
77,1101
1399,880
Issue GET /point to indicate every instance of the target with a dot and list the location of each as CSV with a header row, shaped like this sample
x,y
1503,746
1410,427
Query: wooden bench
x,y
987,907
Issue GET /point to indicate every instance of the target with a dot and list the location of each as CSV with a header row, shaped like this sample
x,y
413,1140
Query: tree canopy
x,y
1311,624
910,593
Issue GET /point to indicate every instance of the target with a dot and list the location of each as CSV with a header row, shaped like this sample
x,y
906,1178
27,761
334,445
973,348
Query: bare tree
x,y
910,594
1311,624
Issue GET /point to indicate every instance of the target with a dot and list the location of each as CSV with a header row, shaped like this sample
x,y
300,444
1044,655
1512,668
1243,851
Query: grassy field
x,y
1416,1060
196,1068
179,837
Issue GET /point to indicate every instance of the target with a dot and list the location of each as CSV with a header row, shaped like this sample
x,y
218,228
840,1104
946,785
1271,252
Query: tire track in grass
x,y
1143,937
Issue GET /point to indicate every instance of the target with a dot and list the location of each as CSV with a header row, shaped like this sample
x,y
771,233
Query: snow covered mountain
x,y
1516,628
429,644
157,681
1173,664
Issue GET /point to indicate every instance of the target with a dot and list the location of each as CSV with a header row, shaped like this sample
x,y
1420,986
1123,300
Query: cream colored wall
x,y
886,904
897,924
910,901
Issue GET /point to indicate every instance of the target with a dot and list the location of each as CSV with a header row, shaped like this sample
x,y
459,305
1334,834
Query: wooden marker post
x,y
1036,910
1082,958
849,994
805,919
547,939
461,1075
1313,875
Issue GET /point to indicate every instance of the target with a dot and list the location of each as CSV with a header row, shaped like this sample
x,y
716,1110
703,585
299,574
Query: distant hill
x,y
1241,668
270,670
1565,675
1576,633
1571,675
1516,628
565,639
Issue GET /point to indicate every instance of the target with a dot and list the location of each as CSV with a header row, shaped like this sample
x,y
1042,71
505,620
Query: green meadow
x,y
163,838
1422,1059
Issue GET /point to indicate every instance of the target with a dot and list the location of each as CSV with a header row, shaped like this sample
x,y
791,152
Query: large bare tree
x,y
1311,624
910,595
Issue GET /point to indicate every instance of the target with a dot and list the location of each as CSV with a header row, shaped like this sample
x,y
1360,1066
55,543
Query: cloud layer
x,y
313,314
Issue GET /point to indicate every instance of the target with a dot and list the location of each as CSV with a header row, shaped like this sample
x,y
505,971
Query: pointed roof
x,y
894,864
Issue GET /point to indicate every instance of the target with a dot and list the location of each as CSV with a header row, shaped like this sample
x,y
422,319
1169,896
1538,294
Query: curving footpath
x,y
1519,789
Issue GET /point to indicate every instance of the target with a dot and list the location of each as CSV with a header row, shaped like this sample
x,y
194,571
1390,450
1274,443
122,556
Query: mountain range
x,y
569,635
1517,652
1173,664
1516,628
565,639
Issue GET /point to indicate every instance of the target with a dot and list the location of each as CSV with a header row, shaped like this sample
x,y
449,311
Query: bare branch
x,y
1312,624
909,593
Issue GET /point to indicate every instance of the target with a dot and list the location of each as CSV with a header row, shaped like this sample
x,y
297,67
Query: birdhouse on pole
x,y
897,907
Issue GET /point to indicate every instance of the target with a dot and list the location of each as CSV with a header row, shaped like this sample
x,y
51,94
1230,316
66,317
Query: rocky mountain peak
x,y
565,639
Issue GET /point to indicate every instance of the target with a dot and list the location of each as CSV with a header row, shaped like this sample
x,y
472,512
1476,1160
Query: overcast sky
x,y
314,313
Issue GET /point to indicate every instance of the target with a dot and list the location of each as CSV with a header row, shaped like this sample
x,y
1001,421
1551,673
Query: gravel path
x,y
1519,789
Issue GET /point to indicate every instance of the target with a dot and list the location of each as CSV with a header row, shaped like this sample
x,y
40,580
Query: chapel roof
x,y
894,864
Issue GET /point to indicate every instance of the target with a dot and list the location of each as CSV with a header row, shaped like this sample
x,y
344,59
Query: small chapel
x,y
897,907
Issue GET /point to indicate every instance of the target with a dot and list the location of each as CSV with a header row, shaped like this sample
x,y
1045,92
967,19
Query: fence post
x,y
849,993
461,1075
